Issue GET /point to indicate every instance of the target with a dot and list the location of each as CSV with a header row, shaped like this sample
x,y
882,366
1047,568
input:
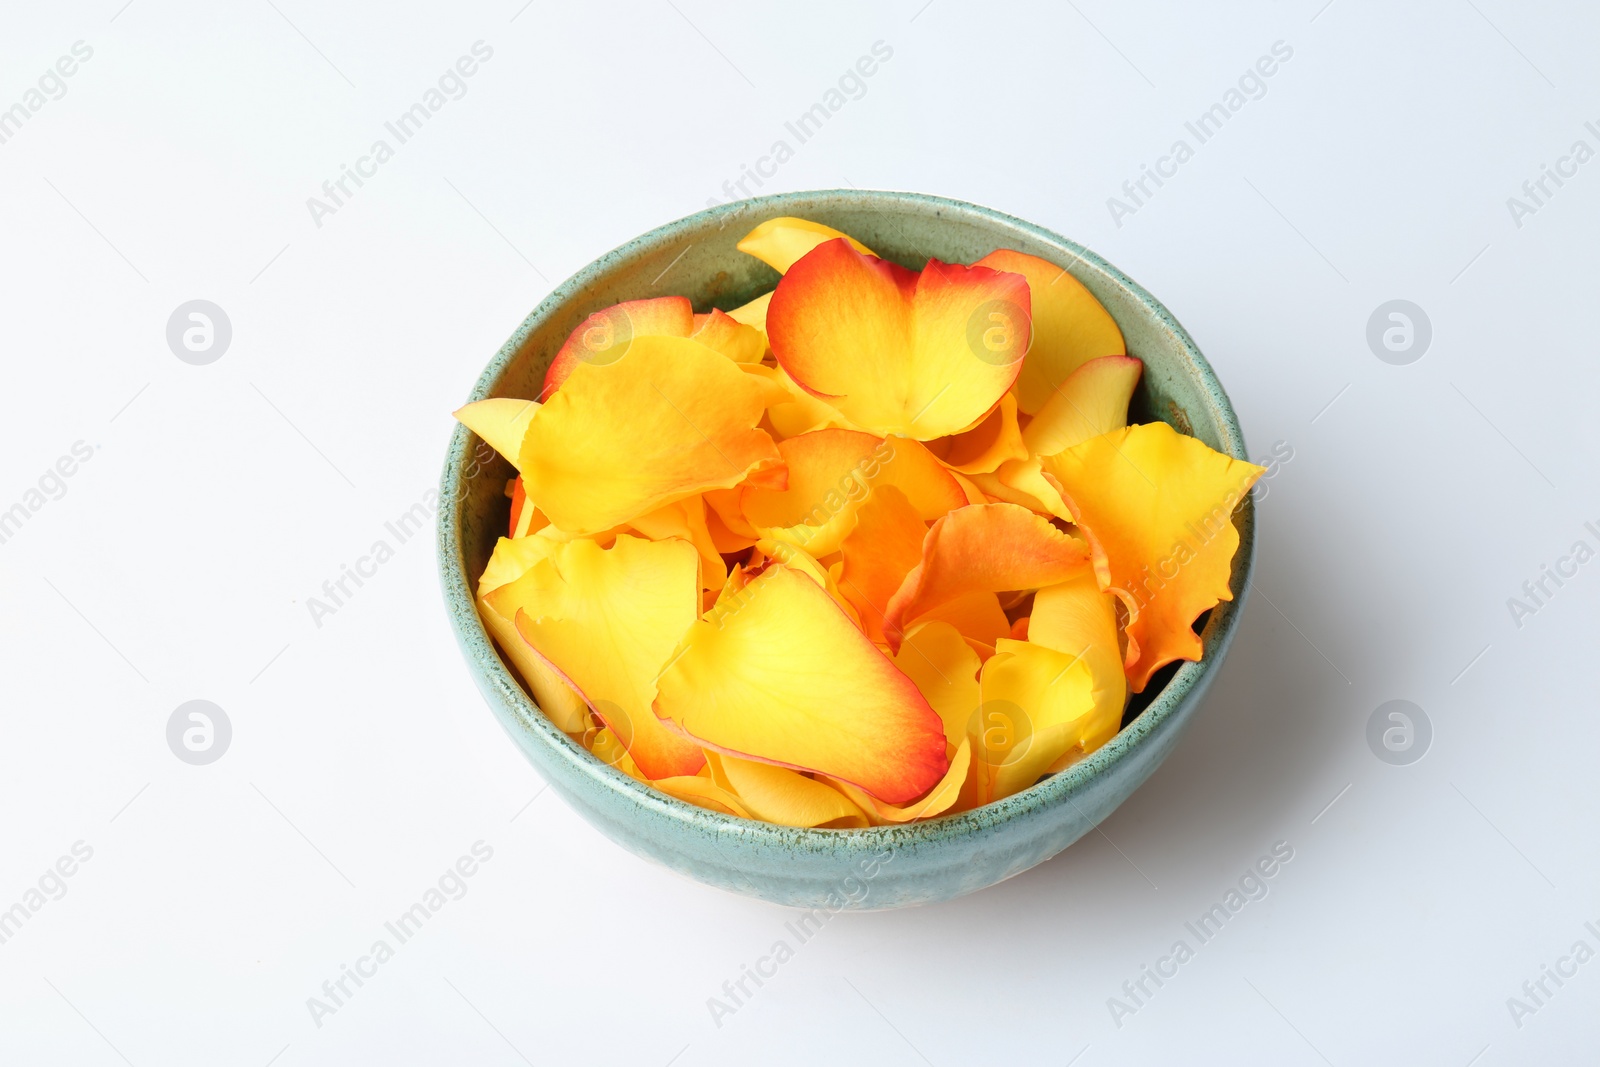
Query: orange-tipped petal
x,y
885,544
519,500
779,795
921,355
606,336
511,559
670,420
1092,401
607,620
983,448
831,473
501,421
781,242
785,678
722,333
1070,327
1037,705
1157,509
938,800
945,669
983,548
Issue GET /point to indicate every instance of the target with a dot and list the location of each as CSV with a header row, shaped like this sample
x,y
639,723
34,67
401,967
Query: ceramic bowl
x,y
881,867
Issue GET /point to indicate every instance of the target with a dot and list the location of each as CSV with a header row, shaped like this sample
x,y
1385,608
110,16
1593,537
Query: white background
x,y
179,562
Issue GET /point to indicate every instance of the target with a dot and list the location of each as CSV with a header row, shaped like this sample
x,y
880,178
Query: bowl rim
x,y
1064,787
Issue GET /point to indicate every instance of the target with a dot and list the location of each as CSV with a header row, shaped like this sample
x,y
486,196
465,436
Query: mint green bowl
x,y
883,867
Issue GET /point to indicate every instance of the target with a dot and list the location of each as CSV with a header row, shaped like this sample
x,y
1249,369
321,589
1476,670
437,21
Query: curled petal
x,y
832,473
607,620
938,800
1078,618
1157,509
1037,705
722,333
918,354
754,313
781,242
779,795
671,419
983,548
501,421
605,337
1070,327
1092,401
983,448
512,558
702,792
784,678
798,412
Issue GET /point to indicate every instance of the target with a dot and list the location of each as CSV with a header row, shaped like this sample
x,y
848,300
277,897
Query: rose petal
x,y
1077,618
983,448
1070,327
831,473
785,678
1157,509
885,544
780,242
922,355
779,795
1037,704
671,419
945,670
722,333
1092,401
798,412
983,547
605,337
500,421
702,793
511,559
939,800
686,519
754,313
608,619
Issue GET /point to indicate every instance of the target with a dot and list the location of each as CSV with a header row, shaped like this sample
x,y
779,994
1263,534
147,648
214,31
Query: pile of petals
x,y
878,546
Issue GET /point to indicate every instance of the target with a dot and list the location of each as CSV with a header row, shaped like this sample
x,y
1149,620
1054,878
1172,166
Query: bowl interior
x,y
696,257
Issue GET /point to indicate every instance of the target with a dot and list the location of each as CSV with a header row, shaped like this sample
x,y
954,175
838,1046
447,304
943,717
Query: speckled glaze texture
x,y
914,864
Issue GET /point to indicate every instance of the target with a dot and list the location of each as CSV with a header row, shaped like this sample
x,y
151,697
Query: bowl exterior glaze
x,y
881,867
